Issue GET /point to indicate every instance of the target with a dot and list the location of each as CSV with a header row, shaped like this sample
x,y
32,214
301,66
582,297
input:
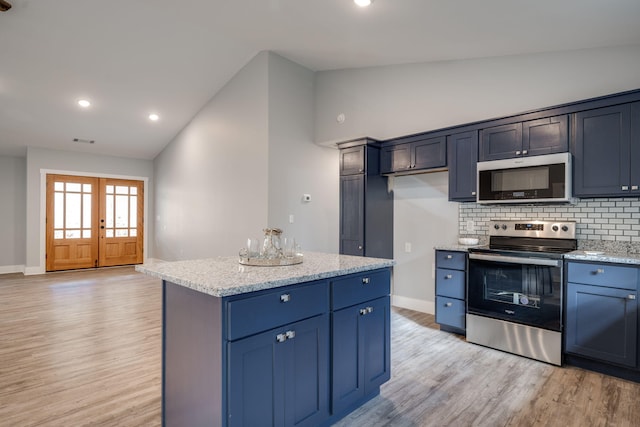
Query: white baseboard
x,y
30,271
423,306
6,269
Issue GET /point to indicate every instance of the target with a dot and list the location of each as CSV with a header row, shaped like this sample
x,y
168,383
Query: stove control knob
x,y
554,228
565,228
504,226
497,227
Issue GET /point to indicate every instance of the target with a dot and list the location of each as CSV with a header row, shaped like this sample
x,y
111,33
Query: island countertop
x,y
224,276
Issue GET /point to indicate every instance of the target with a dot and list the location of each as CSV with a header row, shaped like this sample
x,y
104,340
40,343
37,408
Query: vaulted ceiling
x,y
131,58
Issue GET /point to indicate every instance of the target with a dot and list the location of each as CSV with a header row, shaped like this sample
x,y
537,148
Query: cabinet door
x,y
429,153
395,158
361,351
501,142
352,214
281,377
602,323
545,136
352,160
602,139
635,149
462,150
307,373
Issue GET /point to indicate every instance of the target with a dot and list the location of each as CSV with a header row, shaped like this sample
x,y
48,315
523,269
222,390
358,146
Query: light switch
x,y
407,247
290,218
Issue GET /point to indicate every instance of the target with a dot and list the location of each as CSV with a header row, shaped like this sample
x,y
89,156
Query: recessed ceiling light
x,y
84,103
154,117
363,3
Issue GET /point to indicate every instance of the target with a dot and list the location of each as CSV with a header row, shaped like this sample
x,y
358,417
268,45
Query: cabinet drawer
x,y
450,283
451,259
359,288
251,315
450,312
608,275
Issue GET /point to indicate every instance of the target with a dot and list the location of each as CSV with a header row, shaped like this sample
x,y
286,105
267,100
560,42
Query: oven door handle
x,y
516,260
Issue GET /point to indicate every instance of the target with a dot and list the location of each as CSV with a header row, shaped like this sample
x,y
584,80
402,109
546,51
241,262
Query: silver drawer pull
x,y
631,296
290,334
449,304
473,193
365,280
625,188
634,187
599,271
525,152
281,337
285,298
448,276
449,257
366,310
369,310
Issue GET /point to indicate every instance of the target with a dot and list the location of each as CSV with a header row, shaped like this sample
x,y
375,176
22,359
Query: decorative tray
x,y
271,262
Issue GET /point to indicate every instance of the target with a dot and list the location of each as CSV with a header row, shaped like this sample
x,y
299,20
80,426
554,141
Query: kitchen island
x,y
299,345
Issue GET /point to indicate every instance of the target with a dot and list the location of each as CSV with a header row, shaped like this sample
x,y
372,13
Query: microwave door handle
x,y
515,259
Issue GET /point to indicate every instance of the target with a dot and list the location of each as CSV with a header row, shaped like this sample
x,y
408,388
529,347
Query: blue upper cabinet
x,y
530,138
413,154
605,142
462,150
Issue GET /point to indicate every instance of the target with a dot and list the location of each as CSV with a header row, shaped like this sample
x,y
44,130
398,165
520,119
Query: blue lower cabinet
x,y
281,377
361,352
601,323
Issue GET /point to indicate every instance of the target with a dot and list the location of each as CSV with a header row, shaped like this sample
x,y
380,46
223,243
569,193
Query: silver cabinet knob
x,y
473,193
281,337
285,298
449,304
631,296
625,188
365,280
599,271
449,257
366,310
359,247
449,276
290,334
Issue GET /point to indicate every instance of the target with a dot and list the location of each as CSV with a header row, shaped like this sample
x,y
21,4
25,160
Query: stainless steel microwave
x,y
535,179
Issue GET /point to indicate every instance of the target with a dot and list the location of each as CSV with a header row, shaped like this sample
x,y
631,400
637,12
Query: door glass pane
x,y
73,210
133,213
122,233
86,234
133,232
133,190
109,211
122,189
73,186
109,189
58,234
58,210
72,234
58,186
86,211
122,211
86,188
110,232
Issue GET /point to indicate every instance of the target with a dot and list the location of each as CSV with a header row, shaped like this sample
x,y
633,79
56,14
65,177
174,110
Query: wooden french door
x,y
93,222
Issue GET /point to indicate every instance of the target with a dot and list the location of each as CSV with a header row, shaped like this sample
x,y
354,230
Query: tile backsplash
x,y
602,223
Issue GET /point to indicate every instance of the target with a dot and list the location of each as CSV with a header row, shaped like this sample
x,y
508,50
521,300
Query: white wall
x,y
297,166
387,102
211,179
39,159
422,217
13,190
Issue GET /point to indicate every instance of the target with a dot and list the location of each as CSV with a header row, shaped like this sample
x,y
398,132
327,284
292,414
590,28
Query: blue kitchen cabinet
x,y
607,156
361,350
281,377
529,138
602,313
451,290
462,152
413,154
366,205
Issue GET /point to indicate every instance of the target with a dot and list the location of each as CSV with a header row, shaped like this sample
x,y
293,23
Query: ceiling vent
x,y
4,6
83,141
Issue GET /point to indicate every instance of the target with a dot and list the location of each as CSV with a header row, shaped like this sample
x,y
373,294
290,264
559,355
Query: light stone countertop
x,y
455,247
224,276
604,256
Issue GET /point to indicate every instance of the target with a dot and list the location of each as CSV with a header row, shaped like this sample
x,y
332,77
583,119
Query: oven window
x,y
527,294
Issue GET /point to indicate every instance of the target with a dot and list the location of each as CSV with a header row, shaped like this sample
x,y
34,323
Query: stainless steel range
x,y
515,288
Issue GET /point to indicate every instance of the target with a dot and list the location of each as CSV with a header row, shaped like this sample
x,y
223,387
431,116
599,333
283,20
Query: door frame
x,y
43,209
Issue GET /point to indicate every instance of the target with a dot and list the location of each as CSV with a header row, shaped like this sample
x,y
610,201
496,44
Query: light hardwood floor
x,y
83,348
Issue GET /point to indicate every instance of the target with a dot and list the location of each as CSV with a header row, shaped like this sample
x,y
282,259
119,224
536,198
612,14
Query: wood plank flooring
x,y
83,348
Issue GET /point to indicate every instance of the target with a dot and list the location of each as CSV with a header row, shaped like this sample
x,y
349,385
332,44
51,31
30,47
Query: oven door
x,y
526,290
